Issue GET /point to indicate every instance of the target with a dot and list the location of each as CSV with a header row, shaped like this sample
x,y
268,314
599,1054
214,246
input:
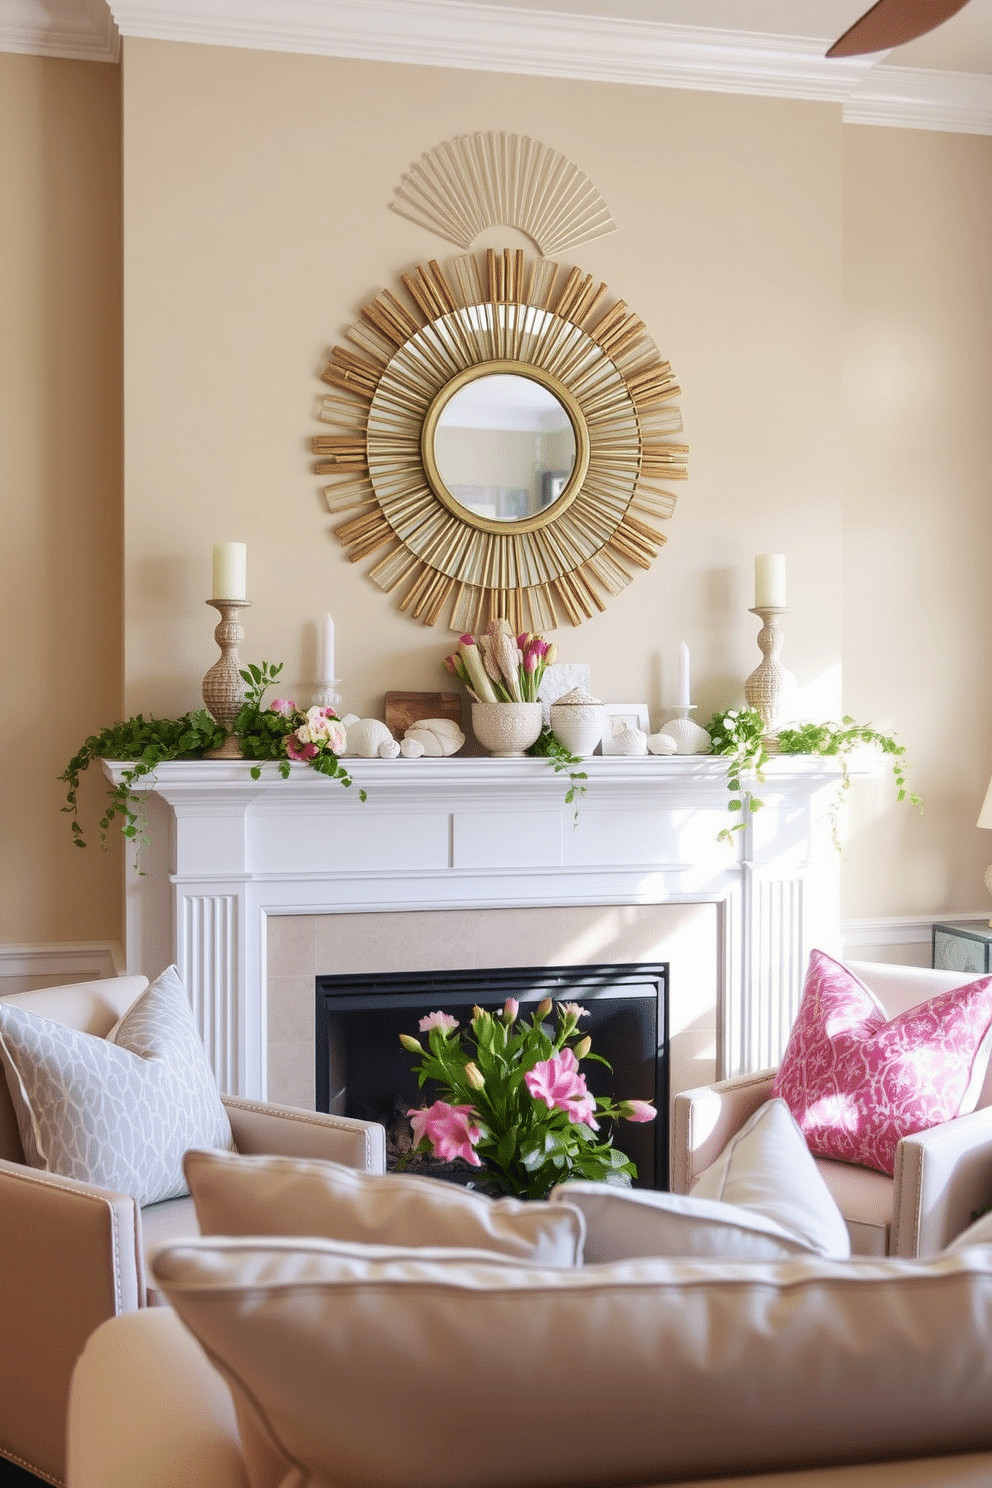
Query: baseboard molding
x,y
907,938
26,967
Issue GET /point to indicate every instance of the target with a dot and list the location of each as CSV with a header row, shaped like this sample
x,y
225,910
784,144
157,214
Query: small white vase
x,y
506,729
578,726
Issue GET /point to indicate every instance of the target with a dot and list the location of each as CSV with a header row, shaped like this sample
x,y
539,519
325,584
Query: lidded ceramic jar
x,y
578,721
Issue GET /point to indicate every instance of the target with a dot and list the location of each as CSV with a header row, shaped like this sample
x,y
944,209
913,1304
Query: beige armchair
x,y
941,1176
72,1255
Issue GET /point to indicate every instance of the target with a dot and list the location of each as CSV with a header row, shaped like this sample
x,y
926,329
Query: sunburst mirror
x,y
441,541
506,436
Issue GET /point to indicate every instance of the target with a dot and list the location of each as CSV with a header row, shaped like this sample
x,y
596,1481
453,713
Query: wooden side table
x,y
965,946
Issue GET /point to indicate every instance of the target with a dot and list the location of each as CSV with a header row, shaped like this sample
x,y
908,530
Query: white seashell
x,y
389,749
349,719
662,744
411,749
630,741
439,736
365,735
689,737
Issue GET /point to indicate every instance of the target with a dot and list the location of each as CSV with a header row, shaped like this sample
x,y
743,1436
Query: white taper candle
x,y
327,652
684,700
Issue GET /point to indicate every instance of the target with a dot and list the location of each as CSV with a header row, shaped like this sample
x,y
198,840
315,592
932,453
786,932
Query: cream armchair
x,y
941,1176
72,1255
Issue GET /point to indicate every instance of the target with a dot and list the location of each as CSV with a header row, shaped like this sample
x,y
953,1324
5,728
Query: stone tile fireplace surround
x,y
254,888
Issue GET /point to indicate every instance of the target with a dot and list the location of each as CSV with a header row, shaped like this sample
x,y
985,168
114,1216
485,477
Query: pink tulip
x,y
637,1110
558,1083
283,706
511,1008
448,1130
444,1021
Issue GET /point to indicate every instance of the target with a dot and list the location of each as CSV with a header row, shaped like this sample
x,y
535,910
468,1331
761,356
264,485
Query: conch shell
x,y
365,735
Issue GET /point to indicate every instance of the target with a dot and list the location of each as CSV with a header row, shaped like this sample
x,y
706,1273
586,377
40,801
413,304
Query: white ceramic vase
x,y
506,729
578,726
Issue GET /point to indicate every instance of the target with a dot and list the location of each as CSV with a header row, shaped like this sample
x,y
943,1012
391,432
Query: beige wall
x,y
256,223
917,515
60,482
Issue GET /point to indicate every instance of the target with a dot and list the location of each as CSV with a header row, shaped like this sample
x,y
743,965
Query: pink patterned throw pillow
x,y
857,1081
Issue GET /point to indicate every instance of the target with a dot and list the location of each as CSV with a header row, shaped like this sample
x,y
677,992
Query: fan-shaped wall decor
x,y
553,333
503,180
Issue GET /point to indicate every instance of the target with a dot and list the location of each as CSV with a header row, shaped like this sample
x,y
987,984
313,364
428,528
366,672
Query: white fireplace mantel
x,y
225,852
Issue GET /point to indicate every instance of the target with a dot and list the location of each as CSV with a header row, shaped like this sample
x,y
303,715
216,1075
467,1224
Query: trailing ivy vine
x,y
739,733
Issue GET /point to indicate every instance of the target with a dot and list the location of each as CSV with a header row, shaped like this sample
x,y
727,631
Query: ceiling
x,y
772,47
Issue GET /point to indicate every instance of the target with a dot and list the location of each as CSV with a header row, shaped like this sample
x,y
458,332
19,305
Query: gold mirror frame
x,y
553,324
506,368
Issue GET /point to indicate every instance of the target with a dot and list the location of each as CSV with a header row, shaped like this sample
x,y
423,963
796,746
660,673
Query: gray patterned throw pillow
x,y
119,1112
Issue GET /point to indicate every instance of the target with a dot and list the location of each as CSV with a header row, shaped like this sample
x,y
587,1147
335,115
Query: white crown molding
x,y
907,98
458,33
79,30
500,38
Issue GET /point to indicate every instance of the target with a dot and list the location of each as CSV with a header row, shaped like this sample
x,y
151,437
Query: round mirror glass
x,y
504,447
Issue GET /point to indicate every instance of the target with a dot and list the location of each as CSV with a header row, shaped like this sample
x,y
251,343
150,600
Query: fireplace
x,y
362,1070
255,887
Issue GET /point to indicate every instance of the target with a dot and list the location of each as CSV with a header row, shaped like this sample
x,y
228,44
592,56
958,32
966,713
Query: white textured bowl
x,y
507,728
578,726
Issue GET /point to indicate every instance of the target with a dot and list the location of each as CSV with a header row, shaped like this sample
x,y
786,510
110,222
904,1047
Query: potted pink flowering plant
x,y
513,1101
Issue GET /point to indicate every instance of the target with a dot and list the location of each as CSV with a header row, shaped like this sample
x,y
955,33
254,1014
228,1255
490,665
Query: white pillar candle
x,y
327,652
769,581
230,571
684,699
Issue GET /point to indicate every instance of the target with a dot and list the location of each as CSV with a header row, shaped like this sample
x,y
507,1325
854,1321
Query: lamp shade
x,y
985,815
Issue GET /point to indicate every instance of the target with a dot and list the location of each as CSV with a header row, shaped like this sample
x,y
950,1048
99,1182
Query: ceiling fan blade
x,y
891,23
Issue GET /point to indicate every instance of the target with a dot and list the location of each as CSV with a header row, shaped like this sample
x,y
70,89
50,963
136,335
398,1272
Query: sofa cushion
x,y
857,1081
622,1223
118,1111
264,1195
766,1168
430,1374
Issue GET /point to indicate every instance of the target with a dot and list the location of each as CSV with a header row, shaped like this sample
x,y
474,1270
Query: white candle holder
x,y
327,695
769,684
223,685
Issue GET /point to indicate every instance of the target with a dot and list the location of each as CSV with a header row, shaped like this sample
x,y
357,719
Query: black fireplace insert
x,y
362,1070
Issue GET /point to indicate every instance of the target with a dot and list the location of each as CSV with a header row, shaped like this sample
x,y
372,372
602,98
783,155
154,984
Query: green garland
x,y
147,743
739,733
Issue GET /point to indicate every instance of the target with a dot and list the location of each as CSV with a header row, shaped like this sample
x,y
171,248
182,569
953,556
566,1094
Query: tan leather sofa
x,y
73,1255
942,1176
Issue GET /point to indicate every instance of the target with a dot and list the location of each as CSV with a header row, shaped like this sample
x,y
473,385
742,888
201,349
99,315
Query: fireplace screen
x,y
362,1069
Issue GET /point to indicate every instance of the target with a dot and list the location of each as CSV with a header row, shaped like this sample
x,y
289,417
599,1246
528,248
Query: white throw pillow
x,y
978,1233
263,1195
766,1167
423,1373
622,1223
122,1111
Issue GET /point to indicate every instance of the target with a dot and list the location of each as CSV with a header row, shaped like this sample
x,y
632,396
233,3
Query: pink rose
x,y
283,706
297,750
558,1083
448,1130
637,1110
444,1021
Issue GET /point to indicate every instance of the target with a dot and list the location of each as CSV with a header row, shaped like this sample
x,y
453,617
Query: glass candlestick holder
x,y
327,695
223,684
